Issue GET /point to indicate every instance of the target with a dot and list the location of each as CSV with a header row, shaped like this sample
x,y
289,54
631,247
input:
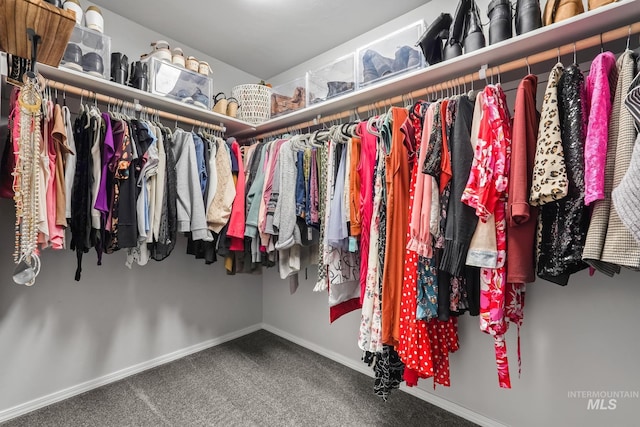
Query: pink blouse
x,y
419,235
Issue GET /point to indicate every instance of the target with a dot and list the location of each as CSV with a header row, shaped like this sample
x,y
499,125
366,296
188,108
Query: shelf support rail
x,y
445,87
136,106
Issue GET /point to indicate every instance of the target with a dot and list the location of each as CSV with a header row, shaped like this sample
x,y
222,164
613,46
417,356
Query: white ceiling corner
x,y
261,37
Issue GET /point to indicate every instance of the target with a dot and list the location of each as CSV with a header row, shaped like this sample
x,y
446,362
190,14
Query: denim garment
x,y
234,160
300,186
201,162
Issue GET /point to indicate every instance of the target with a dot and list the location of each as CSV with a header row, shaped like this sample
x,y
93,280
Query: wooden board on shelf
x,y
52,24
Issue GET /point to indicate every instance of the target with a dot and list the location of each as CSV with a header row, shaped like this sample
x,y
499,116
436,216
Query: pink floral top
x,y
486,191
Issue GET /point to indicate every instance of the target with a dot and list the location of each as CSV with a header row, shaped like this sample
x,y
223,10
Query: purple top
x,y
108,153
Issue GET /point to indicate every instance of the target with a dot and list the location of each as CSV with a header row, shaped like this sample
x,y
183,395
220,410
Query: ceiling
x,y
261,37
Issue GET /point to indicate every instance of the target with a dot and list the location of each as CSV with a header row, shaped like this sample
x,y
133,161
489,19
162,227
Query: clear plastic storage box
x,y
176,82
288,97
88,51
391,55
334,79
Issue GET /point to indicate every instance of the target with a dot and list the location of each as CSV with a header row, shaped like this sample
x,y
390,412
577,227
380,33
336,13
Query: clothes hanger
x,y
372,126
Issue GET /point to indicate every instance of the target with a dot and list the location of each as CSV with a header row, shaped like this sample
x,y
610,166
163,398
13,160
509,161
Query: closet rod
x,y
523,63
105,99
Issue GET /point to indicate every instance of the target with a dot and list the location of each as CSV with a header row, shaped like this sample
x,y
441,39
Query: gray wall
x,y
60,333
580,338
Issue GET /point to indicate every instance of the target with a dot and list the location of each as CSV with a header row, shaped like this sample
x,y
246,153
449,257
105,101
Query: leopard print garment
x,y
550,181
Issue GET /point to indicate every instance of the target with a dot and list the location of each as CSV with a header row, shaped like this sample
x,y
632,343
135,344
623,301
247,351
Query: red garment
x,y
445,161
237,220
522,217
366,168
414,347
423,347
444,340
486,192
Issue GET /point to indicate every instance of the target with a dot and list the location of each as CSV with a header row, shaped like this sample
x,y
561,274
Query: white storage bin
x,y
391,55
173,81
288,97
88,51
331,80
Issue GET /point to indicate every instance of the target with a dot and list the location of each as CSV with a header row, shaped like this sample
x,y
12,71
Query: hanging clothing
x,y
63,151
343,266
626,196
80,221
486,193
323,160
366,171
162,247
522,216
237,219
70,161
549,171
620,247
600,87
414,347
370,336
397,186
483,248
219,211
598,235
561,246
463,221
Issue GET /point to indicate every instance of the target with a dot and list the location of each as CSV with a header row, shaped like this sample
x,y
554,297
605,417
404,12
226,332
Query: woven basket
x,y
54,25
255,102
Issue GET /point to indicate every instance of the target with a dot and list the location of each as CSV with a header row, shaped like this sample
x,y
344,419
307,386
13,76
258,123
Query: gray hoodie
x,y
190,205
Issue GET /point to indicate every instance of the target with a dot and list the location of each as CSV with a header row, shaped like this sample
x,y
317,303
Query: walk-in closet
x,y
319,213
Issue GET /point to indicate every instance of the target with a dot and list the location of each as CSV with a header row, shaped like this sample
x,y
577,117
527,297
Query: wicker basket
x,y
254,101
54,25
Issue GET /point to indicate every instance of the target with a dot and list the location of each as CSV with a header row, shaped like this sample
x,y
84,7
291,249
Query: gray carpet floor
x,y
256,380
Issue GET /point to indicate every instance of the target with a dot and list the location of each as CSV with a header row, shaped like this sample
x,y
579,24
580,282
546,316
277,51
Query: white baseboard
x,y
438,401
41,402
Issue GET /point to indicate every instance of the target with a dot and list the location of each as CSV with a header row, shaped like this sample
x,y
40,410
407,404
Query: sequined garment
x,y
561,246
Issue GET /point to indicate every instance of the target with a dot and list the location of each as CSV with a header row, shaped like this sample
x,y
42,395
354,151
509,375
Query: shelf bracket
x,y
35,40
482,73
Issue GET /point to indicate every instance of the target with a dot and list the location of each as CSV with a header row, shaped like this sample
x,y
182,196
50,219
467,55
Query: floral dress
x,y
486,192
370,336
